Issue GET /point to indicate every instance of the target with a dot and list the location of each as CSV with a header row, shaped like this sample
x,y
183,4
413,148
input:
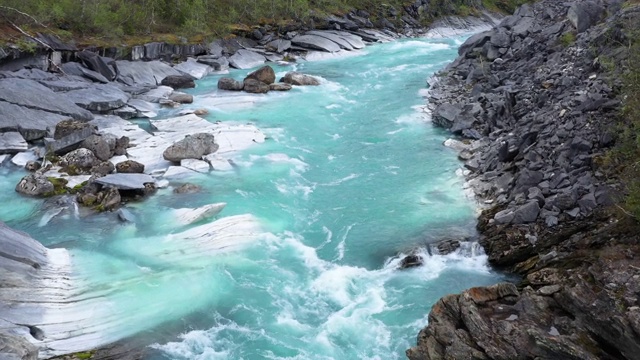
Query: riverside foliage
x,y
115,18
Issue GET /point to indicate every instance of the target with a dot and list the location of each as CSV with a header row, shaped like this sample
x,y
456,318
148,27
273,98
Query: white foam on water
x,y
342,180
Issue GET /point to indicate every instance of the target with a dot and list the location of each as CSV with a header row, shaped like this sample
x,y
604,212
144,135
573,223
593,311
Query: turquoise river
x,y
352,174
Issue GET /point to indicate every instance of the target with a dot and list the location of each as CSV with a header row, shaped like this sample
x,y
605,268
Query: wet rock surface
x,y
534,102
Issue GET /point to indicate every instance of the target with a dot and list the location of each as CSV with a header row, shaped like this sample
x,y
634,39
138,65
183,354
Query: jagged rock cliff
x,y
538,104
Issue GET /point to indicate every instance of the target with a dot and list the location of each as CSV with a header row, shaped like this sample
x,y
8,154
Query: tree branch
x,y
24,14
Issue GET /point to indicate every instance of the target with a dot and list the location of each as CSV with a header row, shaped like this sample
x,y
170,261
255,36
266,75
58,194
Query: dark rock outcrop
x,y
230,84
265,75
536,103
130,167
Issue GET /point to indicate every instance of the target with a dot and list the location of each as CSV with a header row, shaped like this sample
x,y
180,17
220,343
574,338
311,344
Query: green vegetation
x,y
629,144
567,39
138,19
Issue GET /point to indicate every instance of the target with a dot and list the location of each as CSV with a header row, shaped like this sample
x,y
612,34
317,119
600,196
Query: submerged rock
x,y
410,261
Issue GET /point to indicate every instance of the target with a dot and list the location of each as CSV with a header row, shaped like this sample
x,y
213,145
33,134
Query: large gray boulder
x,y
354,40
99,97
246,59
32,124
316,43
191,147
68,135
300,79
76,69
35,185
230,84
279,45
12,143
99,146
342,42
98,64
585,14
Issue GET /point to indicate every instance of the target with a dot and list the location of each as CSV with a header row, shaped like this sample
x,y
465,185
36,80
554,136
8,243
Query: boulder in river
x,y
179,81
35,185
191,147
265,75
280,87
296,78
230,84
126,181
255,87
410,261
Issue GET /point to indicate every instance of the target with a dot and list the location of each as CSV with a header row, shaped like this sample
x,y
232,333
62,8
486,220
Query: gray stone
x,y
76,69
316,43
12,143
32,95
354,40
181,98
194,69
67,136
296,78
35,185
144,109
255,87
191,147
246,59
265,75
526,213
150,73
504,216
98,146
445,114
179,81
126,181
126,216
79,161
585,14
343,43
130,167
280,87
98,97
500,39
230,84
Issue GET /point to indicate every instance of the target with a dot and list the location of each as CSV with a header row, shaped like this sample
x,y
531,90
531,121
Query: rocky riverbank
x,y
534,105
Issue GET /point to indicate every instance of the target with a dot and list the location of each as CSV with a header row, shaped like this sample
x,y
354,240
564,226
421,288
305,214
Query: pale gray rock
x,y
32,124
279,45
194,69
343,43
76,69
181,98
79,161
144,109
99,98
354,40
316,43
144,73
126,181
12,142
246,59
98,146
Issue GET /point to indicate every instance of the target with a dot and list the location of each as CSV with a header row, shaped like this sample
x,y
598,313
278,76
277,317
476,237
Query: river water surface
x,y
352,173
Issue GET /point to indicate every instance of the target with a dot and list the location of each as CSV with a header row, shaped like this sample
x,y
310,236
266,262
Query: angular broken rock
x,y
130,167
179,81
191,147
12,142
296,78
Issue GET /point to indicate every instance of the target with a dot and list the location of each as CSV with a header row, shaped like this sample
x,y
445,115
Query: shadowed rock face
x,y
542,104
